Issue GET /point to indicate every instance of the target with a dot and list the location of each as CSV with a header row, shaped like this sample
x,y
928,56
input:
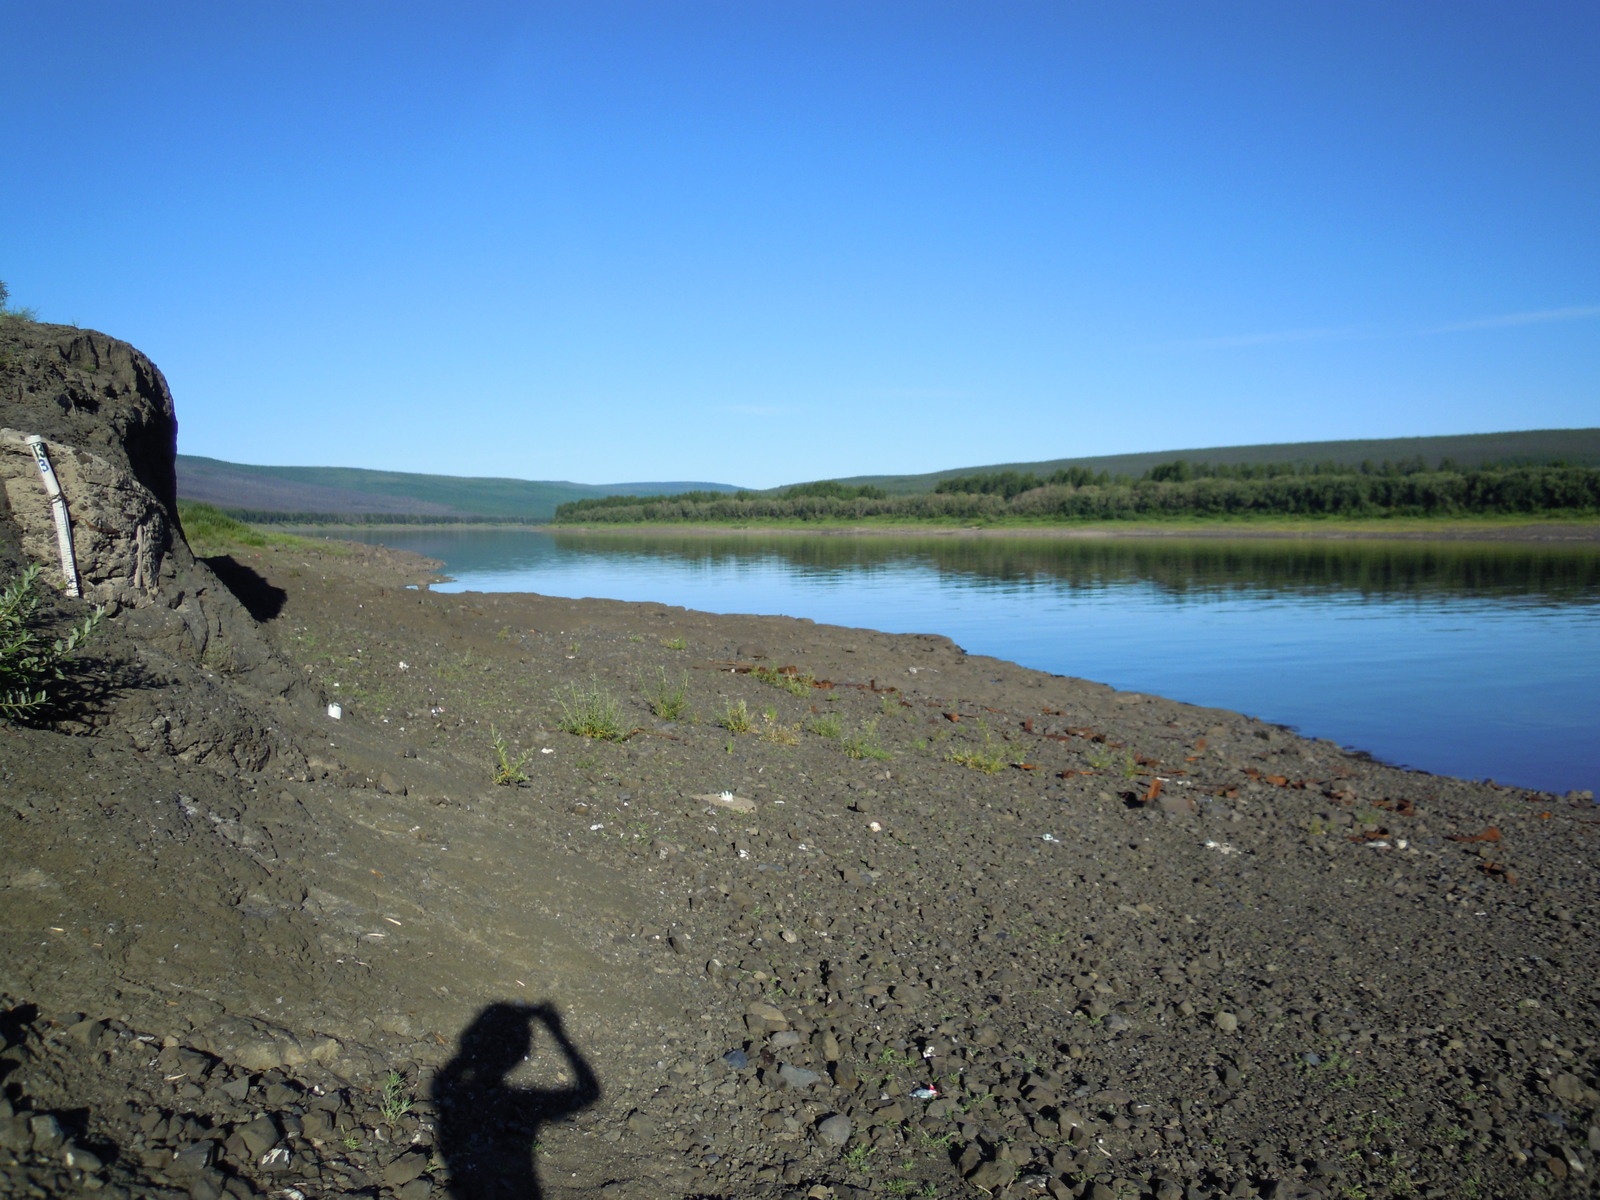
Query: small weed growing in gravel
x,y
865,744
676,643
792,682
985,758
508,771
668,698
772,730
735,718
30,667
394,1102
636,637
591,713
351,1142
826,725
856,1157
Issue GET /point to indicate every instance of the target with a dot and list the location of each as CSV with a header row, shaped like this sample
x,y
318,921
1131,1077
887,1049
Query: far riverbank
x,y
1585,530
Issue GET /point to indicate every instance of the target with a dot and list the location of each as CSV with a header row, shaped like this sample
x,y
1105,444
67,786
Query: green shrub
x,y
30,667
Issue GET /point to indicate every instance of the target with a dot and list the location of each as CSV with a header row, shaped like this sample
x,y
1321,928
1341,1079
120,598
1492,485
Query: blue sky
x,y
761,242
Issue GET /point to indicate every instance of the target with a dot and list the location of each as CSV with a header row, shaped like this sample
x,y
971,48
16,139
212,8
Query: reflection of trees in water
x,y
1373,569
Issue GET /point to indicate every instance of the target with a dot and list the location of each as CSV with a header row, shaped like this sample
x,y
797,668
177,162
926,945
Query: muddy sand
x,y
932,925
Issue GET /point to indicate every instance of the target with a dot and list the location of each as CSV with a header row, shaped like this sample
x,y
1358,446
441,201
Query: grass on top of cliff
x,y
208,528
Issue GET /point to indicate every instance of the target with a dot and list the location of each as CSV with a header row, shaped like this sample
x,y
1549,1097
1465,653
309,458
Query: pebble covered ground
x,y
823,913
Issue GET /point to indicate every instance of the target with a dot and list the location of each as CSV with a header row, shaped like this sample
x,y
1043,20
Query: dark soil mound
x,y
833,914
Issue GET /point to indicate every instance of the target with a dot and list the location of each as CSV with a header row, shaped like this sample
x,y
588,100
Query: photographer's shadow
x,y
489,1128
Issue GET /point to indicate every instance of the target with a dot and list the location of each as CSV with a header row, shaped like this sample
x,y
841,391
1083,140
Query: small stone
x,y
990,1175
737,1059
835,1130
82,1159
258,1136
797,1077
1567,1087
1226,1022
46,1131
405,1168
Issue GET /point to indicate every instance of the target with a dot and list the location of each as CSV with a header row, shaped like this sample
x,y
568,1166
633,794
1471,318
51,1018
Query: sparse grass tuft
x,y
826,725
668,698
592,713
789,680
736,718
864,744
772,730
983,758
508,771
676,643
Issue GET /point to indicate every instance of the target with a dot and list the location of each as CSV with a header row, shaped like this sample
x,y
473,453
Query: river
x,y
1480,660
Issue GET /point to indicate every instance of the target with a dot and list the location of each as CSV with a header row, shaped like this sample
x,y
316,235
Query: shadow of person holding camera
x,y
488,1127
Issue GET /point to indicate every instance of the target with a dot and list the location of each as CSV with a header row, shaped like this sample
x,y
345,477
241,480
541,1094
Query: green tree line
x,y
1349,492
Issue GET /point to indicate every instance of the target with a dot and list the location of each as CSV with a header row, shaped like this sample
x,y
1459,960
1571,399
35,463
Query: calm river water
x,y
1480,660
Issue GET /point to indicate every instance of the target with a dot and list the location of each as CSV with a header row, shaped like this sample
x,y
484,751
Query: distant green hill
x,y
357,492
1579,447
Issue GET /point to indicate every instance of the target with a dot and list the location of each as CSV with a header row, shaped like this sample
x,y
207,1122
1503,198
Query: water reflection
x,y
1177,566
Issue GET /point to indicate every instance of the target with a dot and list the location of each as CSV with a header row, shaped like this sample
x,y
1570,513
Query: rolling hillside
x,y
1579,447
355,491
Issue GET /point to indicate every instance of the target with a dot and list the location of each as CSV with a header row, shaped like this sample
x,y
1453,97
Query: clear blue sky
x,y
760,242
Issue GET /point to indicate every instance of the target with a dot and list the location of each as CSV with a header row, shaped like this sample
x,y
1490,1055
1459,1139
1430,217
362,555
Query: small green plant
x,y
351,1142
668,698
790,681
676,643
856,1157
508,769
30,667
864,744
772,730
983,758
826,725
735,718
592,713
394,1101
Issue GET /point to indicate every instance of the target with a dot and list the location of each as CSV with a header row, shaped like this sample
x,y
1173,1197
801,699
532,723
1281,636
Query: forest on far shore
x,y
1180,488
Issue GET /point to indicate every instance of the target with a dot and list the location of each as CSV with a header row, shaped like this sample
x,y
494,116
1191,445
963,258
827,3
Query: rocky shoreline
x,y
835,914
